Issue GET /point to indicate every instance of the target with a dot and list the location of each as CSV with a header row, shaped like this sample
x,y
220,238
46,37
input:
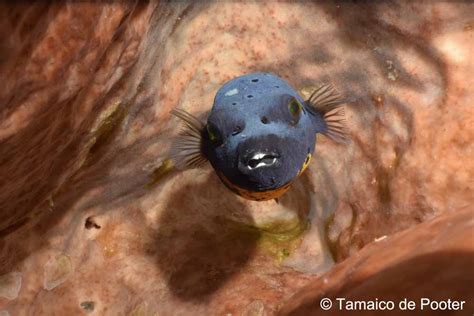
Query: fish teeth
x,y
258,156
261,163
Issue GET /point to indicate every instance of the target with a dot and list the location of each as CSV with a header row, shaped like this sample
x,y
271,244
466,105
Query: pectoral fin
x,y
328,103
187,149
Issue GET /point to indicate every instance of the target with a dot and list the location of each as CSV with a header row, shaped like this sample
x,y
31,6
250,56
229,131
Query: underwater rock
x,y
84,125
432,260
57,271
10,285
256,308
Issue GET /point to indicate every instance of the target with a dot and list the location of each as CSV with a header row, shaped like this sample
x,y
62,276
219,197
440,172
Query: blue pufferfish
x,y
260,134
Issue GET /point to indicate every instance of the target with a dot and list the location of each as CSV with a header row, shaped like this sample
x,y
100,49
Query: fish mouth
x,y
260,160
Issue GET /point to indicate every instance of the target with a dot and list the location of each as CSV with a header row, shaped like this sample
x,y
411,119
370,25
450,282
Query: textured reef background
x,y
84,124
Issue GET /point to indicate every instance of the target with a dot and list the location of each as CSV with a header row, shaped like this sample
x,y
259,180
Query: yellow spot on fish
x,y
305,164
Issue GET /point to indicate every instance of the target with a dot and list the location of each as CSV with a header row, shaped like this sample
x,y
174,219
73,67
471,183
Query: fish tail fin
x,y
328,103
187,150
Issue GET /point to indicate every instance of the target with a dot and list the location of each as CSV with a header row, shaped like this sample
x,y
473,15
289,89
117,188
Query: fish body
x,y
260,134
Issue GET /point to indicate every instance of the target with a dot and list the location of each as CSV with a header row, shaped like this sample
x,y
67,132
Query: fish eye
x,y
295,107
214,134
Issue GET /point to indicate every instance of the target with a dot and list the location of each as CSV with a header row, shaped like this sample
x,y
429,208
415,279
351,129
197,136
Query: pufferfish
x,y
260,134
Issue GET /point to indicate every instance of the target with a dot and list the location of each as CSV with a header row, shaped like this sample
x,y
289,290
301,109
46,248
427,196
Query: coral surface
x,y
84,126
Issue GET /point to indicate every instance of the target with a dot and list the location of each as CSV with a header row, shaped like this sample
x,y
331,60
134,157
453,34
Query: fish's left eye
x,y
295,108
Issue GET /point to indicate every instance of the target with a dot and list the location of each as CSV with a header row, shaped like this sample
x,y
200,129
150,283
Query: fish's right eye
x,y
214,134
295,109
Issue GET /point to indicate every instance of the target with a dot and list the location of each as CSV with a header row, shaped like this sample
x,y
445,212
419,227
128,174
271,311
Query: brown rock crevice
x,y
63,111
431,260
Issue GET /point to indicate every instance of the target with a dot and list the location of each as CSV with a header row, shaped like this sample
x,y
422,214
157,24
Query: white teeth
x,y
258,156
261,164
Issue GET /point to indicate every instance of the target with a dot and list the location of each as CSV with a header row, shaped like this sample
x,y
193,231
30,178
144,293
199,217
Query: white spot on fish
x,y
231,92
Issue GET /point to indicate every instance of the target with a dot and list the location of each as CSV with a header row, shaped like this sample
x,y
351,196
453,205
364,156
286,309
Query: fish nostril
x,y
264,120
250,96
236,130
255,80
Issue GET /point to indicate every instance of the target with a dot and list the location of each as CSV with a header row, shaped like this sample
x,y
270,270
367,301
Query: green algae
x,y
88,306
332,245
105,127
279,238
384,177
158,174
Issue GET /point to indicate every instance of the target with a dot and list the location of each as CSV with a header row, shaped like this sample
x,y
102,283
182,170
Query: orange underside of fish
x,y
254,195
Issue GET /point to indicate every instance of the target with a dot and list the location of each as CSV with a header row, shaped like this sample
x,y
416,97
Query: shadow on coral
x,y
197,246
